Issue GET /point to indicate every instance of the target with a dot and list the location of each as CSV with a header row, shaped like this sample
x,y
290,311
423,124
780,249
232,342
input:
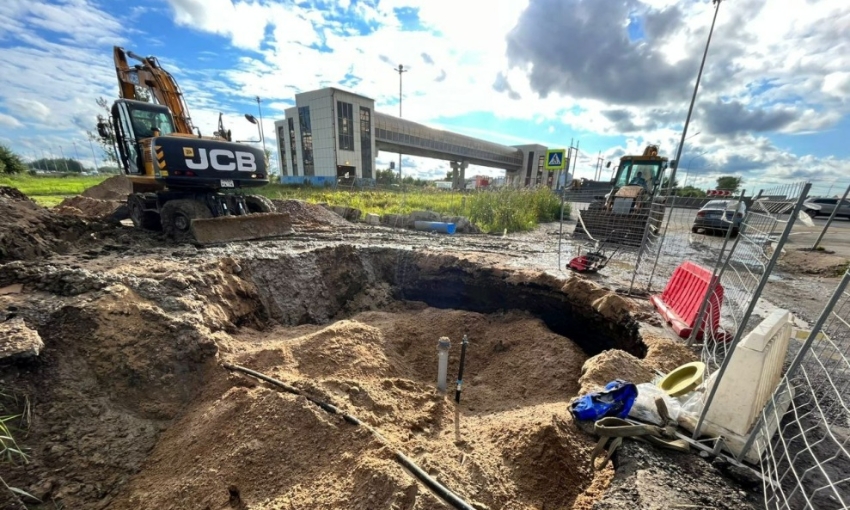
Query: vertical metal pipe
x,y
831,217
694,97
443,345
740,333
460,370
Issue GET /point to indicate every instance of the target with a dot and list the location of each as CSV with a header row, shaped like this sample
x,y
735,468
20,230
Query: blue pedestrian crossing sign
x,y
556,159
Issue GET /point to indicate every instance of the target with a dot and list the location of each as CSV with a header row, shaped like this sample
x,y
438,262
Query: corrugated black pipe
x,y
438,488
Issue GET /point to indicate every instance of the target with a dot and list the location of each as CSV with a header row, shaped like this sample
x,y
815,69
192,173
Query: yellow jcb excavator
x,y
186,184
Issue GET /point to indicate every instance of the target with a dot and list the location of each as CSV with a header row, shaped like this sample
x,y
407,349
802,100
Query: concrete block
x,y
753,374
373,219
751,379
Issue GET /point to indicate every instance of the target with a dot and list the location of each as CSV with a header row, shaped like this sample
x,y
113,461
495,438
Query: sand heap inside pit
x,y
245,445
307,215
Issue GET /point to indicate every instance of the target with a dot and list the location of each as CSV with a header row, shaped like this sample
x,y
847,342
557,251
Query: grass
x,y
10,451
50,190
492,211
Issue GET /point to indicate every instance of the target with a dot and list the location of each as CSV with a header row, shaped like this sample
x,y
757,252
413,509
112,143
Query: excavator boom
x,y
148,73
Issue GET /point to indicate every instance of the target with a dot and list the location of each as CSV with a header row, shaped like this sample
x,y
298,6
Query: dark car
x,y
719,215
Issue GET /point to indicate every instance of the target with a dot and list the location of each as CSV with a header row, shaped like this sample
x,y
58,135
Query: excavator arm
x,y
148,73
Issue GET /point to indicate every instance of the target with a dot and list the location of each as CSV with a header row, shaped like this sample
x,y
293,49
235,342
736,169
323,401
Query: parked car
x,y
815,207
719,215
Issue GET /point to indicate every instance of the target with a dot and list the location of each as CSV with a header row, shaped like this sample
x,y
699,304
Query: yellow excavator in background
x,y
188,185
621,216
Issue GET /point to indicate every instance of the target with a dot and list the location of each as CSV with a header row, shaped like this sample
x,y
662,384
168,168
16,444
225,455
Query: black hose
x,y
402,459
432,484
460,371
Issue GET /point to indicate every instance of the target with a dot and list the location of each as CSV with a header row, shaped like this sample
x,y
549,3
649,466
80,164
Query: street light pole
x,y
400,69
262,133
696,88
91,146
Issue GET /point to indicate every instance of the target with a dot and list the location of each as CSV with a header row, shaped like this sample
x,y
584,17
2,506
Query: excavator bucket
x,y
241,228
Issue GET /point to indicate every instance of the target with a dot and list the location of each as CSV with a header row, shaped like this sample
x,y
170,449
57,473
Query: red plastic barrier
x,y
680,302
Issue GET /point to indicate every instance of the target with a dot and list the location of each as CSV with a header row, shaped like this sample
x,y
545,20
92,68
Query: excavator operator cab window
x,y
629,170
145,122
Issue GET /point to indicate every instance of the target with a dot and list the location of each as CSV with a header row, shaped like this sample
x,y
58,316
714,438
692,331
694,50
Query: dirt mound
x,y
13,194
28,230
88,207
114,188
823,263
118,365
304,214
614,364
663,354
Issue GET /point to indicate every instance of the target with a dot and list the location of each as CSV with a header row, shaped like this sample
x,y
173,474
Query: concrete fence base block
x,y
749,382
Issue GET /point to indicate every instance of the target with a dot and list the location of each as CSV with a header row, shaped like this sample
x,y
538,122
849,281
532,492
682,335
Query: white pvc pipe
x,y
443,345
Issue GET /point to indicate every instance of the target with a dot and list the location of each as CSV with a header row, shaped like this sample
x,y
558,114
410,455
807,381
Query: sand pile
x,y
663,355
88,207
306,215
246,445
114,188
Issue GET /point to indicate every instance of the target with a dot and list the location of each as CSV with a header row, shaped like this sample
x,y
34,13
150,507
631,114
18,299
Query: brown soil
x,y
307,215
81,205
513,431
28,230
114,188
821,263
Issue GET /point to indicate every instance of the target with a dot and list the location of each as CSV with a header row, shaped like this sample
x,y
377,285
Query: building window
x,y
293,153
366,142
306,140
345,123
281,143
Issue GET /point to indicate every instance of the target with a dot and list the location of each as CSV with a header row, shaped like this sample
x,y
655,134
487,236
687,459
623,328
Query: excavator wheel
x,y
177,216
147,220
259,204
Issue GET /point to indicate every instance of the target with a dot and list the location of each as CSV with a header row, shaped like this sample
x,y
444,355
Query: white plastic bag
x,y
644,407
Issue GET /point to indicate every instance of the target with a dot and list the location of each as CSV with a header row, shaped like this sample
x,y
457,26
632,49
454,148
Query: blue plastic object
x,y
615,400
435,226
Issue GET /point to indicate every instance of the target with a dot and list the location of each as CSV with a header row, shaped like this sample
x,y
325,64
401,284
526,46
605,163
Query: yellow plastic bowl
x,y
683,380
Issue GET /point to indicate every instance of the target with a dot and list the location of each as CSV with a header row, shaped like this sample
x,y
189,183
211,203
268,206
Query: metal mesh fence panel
x,y
807,463
745,266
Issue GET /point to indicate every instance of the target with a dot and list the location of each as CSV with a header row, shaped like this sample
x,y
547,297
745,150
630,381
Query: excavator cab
x,y
136,123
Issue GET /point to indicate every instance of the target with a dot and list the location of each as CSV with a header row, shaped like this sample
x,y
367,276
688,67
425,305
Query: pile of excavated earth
x,y
118,370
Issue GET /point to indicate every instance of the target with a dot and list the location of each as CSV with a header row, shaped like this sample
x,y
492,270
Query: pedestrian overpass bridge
x,y
331,133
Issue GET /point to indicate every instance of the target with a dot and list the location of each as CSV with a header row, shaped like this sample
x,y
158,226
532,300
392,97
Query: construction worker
x,y
638,180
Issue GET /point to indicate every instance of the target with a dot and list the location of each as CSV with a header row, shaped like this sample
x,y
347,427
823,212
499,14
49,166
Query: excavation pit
x,y
134,410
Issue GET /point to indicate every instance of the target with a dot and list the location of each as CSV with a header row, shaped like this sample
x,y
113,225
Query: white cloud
x,y
7,121
780,72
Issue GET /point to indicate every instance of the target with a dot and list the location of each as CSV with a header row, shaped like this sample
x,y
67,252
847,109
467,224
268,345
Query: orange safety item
x,y
680,302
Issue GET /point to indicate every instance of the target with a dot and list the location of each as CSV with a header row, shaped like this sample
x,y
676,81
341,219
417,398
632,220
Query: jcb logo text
x,y
223,160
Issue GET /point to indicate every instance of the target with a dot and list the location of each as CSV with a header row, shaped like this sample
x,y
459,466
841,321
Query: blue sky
x,y
611,75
